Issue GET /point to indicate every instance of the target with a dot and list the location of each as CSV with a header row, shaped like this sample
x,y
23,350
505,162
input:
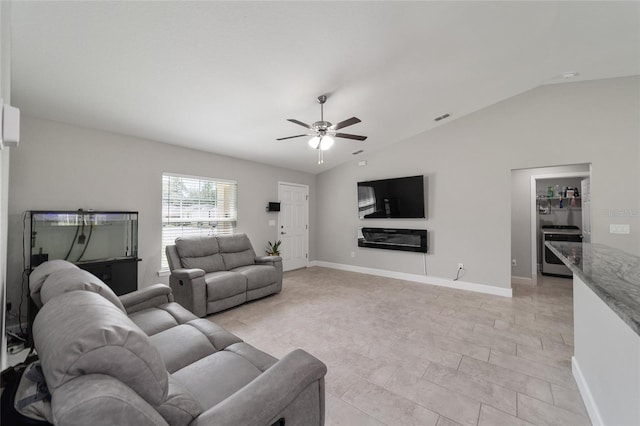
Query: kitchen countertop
x,y
612,274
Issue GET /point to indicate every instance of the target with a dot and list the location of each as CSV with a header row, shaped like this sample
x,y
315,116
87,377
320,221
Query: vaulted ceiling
x,y
224,76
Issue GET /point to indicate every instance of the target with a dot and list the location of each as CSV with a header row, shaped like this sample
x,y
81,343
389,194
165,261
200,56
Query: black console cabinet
x,y
121,274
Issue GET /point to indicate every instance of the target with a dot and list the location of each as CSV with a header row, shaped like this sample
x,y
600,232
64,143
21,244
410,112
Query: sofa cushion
x,y
223,284
181,345
216,377
234,243
178,311
39,275
218,336
236,251
83,333
200,252
180,407
65,280
162,317
258,275
261,360
153,321
98,399
235,260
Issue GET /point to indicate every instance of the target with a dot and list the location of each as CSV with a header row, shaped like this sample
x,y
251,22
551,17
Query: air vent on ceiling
x,y
442,117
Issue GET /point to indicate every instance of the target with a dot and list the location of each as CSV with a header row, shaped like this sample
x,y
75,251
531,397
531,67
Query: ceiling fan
x,y
323,132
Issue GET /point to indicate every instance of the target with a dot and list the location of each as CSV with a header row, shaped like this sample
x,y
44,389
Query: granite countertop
x,y
612,274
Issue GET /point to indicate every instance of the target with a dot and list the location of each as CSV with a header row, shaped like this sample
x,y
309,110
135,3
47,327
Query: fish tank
x,y
82,236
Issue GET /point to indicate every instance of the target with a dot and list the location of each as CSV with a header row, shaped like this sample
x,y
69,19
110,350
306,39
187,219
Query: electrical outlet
x,y
353,254
514,262
460,266
618,229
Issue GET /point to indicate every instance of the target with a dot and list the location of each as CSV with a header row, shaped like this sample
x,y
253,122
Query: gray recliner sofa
x,y
213,273
142,359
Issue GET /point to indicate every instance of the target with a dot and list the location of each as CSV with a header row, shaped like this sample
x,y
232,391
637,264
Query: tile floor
x,y
403,353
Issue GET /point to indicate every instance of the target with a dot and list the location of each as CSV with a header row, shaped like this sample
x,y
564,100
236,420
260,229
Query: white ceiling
x,y
223,76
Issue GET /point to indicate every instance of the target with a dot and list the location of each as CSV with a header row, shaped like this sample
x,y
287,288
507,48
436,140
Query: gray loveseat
x,y
143,359
211,274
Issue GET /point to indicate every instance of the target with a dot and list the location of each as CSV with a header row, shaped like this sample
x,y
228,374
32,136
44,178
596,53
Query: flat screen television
x,y
399,198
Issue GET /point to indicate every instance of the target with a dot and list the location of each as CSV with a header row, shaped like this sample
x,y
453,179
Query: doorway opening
x,y
544,198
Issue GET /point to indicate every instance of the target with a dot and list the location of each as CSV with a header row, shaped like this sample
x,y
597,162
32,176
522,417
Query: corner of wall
x,y
5,93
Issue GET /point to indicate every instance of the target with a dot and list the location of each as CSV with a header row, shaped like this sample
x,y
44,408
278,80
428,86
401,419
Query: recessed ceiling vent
x,y
442,117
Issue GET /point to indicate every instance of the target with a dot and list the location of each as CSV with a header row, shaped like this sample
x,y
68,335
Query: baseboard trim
x,y
585,392
521,280
423,279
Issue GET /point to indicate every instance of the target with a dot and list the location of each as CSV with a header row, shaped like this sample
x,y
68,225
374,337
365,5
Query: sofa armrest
x,y
261,402
157,294
268,259
188,274
276,262
190,290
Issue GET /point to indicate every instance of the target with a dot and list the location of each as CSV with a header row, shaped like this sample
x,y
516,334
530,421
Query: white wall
x,y
5,94
63,167
521,213
468,165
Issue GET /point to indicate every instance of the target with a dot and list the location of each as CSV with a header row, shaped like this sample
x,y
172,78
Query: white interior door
x,y
293,225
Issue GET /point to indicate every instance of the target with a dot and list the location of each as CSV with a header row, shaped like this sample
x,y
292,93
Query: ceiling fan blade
x,y
293,120
348,122
348,136
291,137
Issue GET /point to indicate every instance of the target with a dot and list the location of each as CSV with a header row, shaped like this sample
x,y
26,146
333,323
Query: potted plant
x,y
273,249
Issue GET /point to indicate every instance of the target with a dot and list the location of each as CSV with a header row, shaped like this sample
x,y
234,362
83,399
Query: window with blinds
x,y
196,206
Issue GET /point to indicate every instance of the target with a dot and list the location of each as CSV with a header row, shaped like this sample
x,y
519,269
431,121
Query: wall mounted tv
x,y
399,198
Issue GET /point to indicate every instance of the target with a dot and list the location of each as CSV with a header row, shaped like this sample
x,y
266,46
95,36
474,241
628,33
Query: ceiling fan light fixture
x,y
326,142
314,142
321,142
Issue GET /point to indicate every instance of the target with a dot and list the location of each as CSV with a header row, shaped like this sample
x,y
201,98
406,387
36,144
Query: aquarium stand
x,y
119,274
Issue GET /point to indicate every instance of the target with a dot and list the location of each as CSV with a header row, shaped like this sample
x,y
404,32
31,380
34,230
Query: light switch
x,y
618,229
272,222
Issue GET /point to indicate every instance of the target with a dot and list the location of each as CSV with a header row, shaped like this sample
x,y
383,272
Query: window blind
x,y
196,206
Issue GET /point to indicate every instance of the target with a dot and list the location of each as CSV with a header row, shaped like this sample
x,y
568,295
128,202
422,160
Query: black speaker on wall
x,y
273,207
